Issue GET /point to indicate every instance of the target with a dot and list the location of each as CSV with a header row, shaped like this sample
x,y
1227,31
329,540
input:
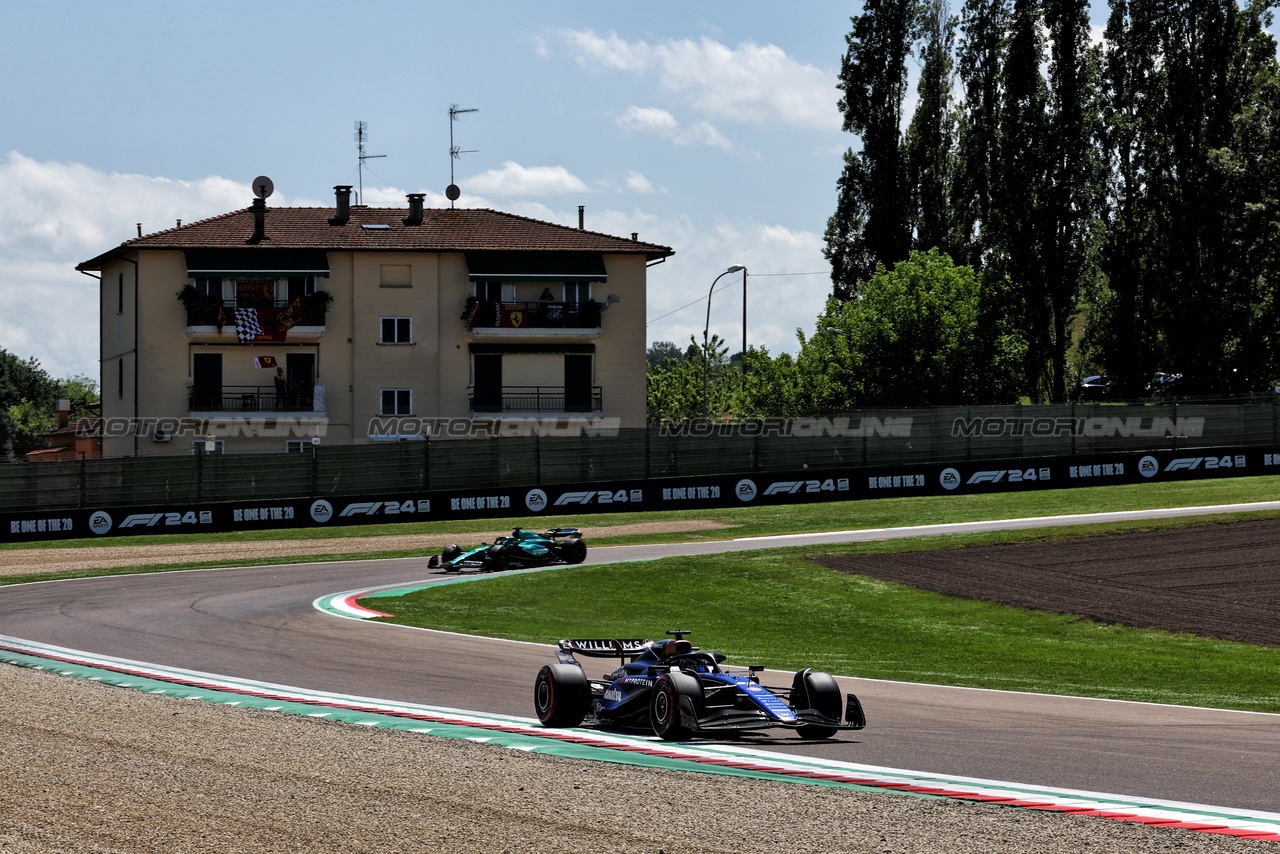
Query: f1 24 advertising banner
x,y
573,500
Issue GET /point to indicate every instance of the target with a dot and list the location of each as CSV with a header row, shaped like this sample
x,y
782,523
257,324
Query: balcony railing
x,y
485,314
211,311
247,398
536,398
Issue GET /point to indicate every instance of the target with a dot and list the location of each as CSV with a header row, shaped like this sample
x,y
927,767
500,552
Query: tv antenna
x,y
452,191
362,131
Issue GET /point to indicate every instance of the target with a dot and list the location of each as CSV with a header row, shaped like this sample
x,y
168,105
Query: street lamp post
x,y
736,268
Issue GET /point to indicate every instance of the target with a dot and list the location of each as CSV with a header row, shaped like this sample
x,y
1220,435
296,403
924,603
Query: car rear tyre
x,y
574,550
817,691
676,701
497,559
561,695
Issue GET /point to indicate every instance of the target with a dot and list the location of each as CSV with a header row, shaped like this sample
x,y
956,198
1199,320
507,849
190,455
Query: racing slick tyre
x,y
561,695
817,691
497,559
574,550
675,706
450,553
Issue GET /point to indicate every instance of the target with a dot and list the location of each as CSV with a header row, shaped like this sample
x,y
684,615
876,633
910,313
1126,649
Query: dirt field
x,y
1219,581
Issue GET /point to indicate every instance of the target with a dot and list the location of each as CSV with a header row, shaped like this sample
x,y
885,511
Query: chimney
x,y
259,221
635,235
415,209
343,215
64,413
581,208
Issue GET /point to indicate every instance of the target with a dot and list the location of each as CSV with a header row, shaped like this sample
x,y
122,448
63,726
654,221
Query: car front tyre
x,y
820,692
676,697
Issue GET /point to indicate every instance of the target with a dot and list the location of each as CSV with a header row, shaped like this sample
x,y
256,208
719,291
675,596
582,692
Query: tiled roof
x,y
90,426
441,231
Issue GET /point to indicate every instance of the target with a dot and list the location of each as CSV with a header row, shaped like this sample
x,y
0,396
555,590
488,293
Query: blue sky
x,y
708,127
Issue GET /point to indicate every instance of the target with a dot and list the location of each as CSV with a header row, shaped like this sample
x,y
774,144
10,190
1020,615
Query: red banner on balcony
x,y
514,315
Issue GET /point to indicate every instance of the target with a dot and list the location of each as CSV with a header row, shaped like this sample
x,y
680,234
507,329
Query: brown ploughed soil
x,y
1220,581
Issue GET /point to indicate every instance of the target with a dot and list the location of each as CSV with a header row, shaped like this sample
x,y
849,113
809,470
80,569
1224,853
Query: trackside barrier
x,y
541,499
857,440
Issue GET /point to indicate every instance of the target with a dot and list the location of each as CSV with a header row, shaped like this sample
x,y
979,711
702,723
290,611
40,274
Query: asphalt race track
x,y
260,623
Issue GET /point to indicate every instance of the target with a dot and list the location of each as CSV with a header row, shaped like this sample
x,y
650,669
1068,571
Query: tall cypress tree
x,y
1073,178
870,224
930,142
980,66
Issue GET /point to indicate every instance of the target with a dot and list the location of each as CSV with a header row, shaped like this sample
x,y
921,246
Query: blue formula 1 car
x,y
680,692
521,549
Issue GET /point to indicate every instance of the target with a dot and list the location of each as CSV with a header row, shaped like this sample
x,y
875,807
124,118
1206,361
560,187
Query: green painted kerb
x,y
515,741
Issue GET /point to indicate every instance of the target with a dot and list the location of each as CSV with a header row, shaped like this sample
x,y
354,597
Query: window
x,y
577,292
198,447
120,378
396,401
120,295
299,287
396,330
209,288
495,292
297,446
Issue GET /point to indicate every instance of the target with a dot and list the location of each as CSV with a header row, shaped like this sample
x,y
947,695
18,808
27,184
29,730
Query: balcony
x,y
247,398
301,318
485,317
535,398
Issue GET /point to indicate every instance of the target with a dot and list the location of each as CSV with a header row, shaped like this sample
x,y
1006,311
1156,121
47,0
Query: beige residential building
x,y
265,326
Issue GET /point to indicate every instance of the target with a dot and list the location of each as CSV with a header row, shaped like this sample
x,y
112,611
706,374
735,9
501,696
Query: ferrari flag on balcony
x,y
265,362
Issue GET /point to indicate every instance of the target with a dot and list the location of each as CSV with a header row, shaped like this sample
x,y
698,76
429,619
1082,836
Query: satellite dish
x,y
262,187
452,192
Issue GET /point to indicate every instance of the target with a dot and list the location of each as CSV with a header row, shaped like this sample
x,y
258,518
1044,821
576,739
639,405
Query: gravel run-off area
x,y
93,768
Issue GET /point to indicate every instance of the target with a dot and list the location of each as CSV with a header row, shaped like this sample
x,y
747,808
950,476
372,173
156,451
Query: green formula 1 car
x,y
520,550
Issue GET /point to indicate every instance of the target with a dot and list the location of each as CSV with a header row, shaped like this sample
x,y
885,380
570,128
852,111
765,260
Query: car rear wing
x,y
563,532
605,647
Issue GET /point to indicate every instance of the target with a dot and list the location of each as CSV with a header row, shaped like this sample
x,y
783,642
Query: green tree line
x,y
28,403
1118,202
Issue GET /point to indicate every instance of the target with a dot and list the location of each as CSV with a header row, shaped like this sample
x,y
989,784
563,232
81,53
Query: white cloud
x,y
638,183
516,180
55,215
749,83
49,208
662,124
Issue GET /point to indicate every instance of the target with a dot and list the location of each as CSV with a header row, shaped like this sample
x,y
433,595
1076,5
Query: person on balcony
x,y
282,386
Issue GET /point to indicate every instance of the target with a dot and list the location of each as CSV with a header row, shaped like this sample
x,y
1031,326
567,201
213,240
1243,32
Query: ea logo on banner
x,y
536,500
1148,467
321,511
745,490
949,479
100,522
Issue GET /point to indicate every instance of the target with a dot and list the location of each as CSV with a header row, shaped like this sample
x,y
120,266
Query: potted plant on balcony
x,y
202,309
314,308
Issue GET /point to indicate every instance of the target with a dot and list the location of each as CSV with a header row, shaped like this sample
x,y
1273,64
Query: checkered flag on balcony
x,y
247,326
